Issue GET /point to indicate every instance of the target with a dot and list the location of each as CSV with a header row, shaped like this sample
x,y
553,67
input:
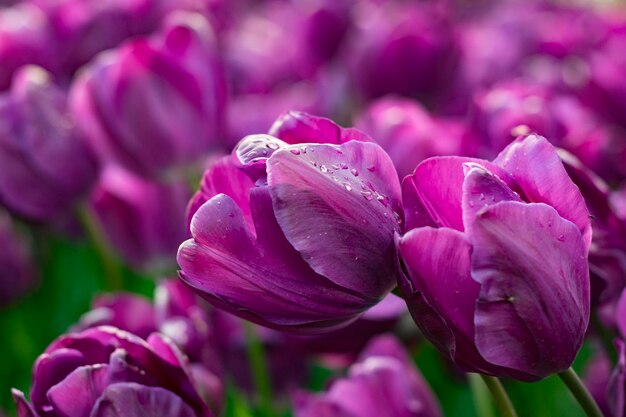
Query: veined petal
x,y
537,169
533,308
330,197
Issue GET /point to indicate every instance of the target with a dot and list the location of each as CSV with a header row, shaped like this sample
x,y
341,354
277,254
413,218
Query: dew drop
x,y
272,145
561,238
371,168
303,149
323,168
295,151
343,165
335,166
354,172
367,194
347,186
482,196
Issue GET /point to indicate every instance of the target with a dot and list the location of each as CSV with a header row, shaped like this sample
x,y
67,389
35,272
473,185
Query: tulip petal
x,y
49,370
328,198
439,185
536,167
438,262
299,127
482,189
263,279
76,395
134,400
24,409
533,311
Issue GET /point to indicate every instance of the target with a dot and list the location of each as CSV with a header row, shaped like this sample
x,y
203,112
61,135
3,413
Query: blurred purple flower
x,y
81,29
143,220
25,38
516,107
178,314
409,49
283,42
496,257
410,134
17,274
105,371
596,378
45,166
297,225
384,381
155,105
607,253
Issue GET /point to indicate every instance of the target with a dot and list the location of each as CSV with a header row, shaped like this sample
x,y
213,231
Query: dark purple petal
x,y
76,395
438,182
134,400
326,198
24,409
223,177
533,308
231,267
296,127
482,189
438,262
538,171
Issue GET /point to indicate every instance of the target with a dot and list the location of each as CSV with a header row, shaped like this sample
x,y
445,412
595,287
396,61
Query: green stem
x,y
258,369
579,391
480,393
109,262
500,397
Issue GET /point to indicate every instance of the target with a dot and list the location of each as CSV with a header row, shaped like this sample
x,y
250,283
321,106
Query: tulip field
x,y
312,208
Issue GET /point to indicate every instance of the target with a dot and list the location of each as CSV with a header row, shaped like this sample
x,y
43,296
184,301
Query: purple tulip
x,y
383,382
408,49
81,29
496,260
45,166
284,42
178,314
296,219
106,371
409,133
155,105
142,219
607,254
616,391
17,275
516,107
25,38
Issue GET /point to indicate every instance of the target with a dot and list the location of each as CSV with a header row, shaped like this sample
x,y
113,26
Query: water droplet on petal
x,y
347,186
343,165
303,149
561,238
272,145
367,194
295,151
354,172
323,168
371,168
482,196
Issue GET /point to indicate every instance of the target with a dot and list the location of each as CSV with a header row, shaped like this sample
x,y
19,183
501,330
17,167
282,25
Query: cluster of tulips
x,y
478,203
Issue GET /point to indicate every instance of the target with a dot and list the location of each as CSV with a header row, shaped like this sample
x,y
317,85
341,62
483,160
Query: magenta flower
x,y
155,105
25,38
45,165
512,108
124,374
409,49
410,134
278,247
496,260
384,381
144,220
